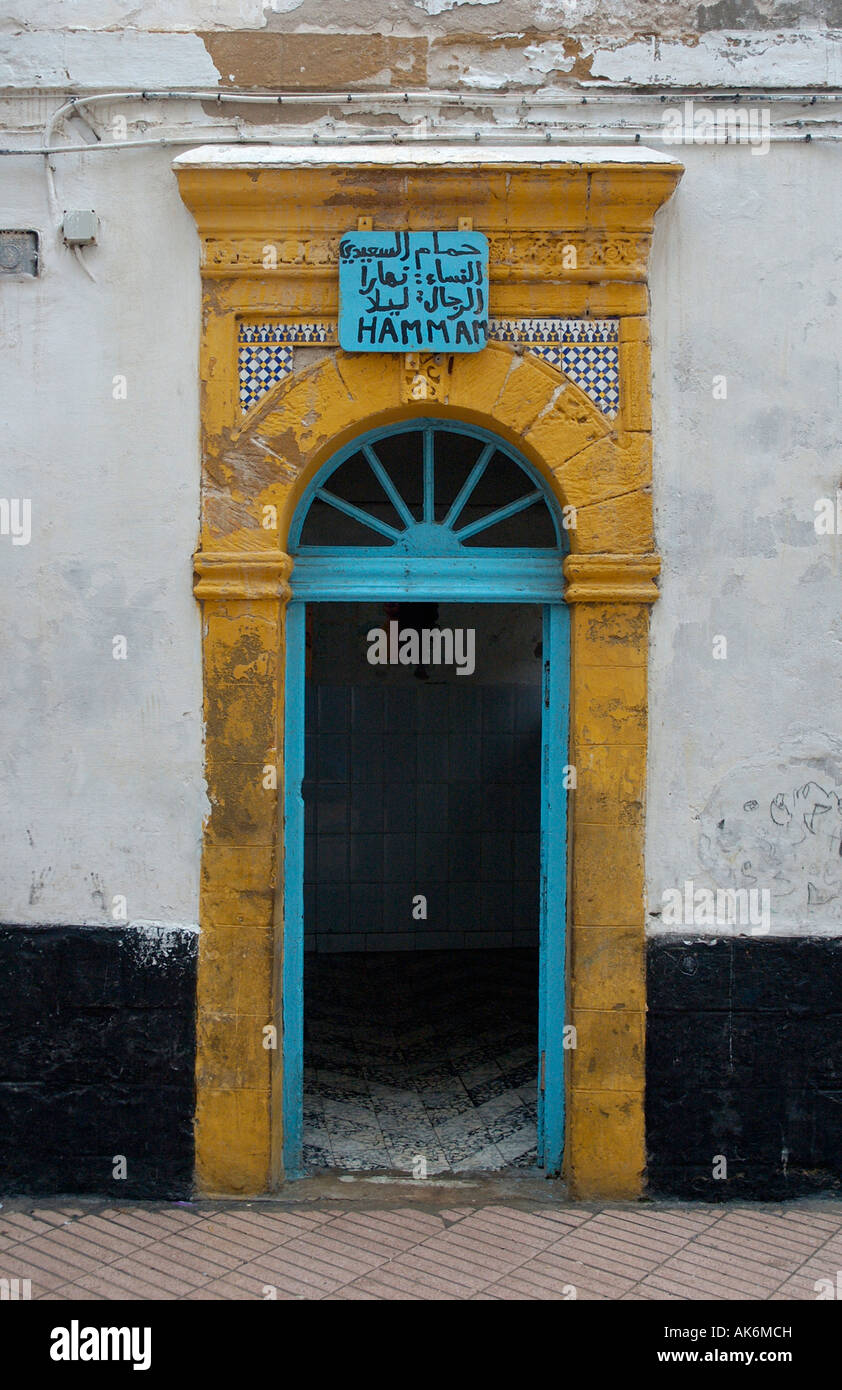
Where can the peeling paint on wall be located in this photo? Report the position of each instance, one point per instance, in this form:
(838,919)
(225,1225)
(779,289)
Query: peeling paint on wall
(290,61)
(436,7)
(155,942)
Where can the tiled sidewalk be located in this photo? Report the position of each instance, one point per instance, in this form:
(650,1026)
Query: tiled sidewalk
(362,1249)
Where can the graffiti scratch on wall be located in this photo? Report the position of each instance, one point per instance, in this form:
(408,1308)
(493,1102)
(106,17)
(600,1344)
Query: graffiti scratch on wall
(778,825)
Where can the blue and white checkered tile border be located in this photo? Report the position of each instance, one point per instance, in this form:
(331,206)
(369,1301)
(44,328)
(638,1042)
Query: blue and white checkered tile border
(265,352)
(584,349)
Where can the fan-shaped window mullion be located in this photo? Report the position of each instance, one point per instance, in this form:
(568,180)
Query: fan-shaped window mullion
(429,477)
(468,486)
(365,518)
(501,514)
(388,486)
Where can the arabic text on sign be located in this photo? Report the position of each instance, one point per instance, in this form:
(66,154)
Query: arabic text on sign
(411,291)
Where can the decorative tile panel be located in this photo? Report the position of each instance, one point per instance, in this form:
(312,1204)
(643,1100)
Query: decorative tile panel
(265,352)
(586,350)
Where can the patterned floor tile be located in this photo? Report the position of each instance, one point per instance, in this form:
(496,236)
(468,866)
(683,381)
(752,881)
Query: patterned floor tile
(432,1053)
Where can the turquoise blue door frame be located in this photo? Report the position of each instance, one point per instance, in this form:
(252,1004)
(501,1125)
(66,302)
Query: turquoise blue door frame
(426,567)
(552,974)
(292,970)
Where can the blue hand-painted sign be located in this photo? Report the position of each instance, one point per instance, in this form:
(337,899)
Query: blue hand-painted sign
(413,291)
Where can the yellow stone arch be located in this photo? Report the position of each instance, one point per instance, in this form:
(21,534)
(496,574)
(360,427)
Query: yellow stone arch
(254,471)
(604,473)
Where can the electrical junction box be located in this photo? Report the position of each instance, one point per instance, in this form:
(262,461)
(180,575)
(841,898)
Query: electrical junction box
(79,228)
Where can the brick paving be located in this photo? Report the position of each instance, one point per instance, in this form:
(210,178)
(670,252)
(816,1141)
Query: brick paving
(397,1250)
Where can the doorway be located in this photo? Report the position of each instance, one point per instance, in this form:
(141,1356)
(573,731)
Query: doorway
(425,811)
(422,890)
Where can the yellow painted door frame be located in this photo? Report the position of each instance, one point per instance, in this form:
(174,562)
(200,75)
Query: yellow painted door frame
(569,238)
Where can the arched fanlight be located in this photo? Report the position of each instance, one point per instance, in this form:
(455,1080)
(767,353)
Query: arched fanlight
(429,488)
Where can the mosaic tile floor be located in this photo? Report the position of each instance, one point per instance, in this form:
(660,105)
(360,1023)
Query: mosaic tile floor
(428,1053)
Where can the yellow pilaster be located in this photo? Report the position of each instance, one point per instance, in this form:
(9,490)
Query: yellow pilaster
(237,1074)
(609,597)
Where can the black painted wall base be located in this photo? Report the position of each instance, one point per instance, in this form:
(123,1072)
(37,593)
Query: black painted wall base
(97,1052)
(744,1060)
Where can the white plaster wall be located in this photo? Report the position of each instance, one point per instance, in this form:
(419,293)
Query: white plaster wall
(103,792)
(746,283)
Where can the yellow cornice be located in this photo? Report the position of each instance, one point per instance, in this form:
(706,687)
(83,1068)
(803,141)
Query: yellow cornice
(241,574)
(611,578)
(594,198)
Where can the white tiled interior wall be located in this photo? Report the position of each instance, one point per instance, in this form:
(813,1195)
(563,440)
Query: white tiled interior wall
(422,789)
